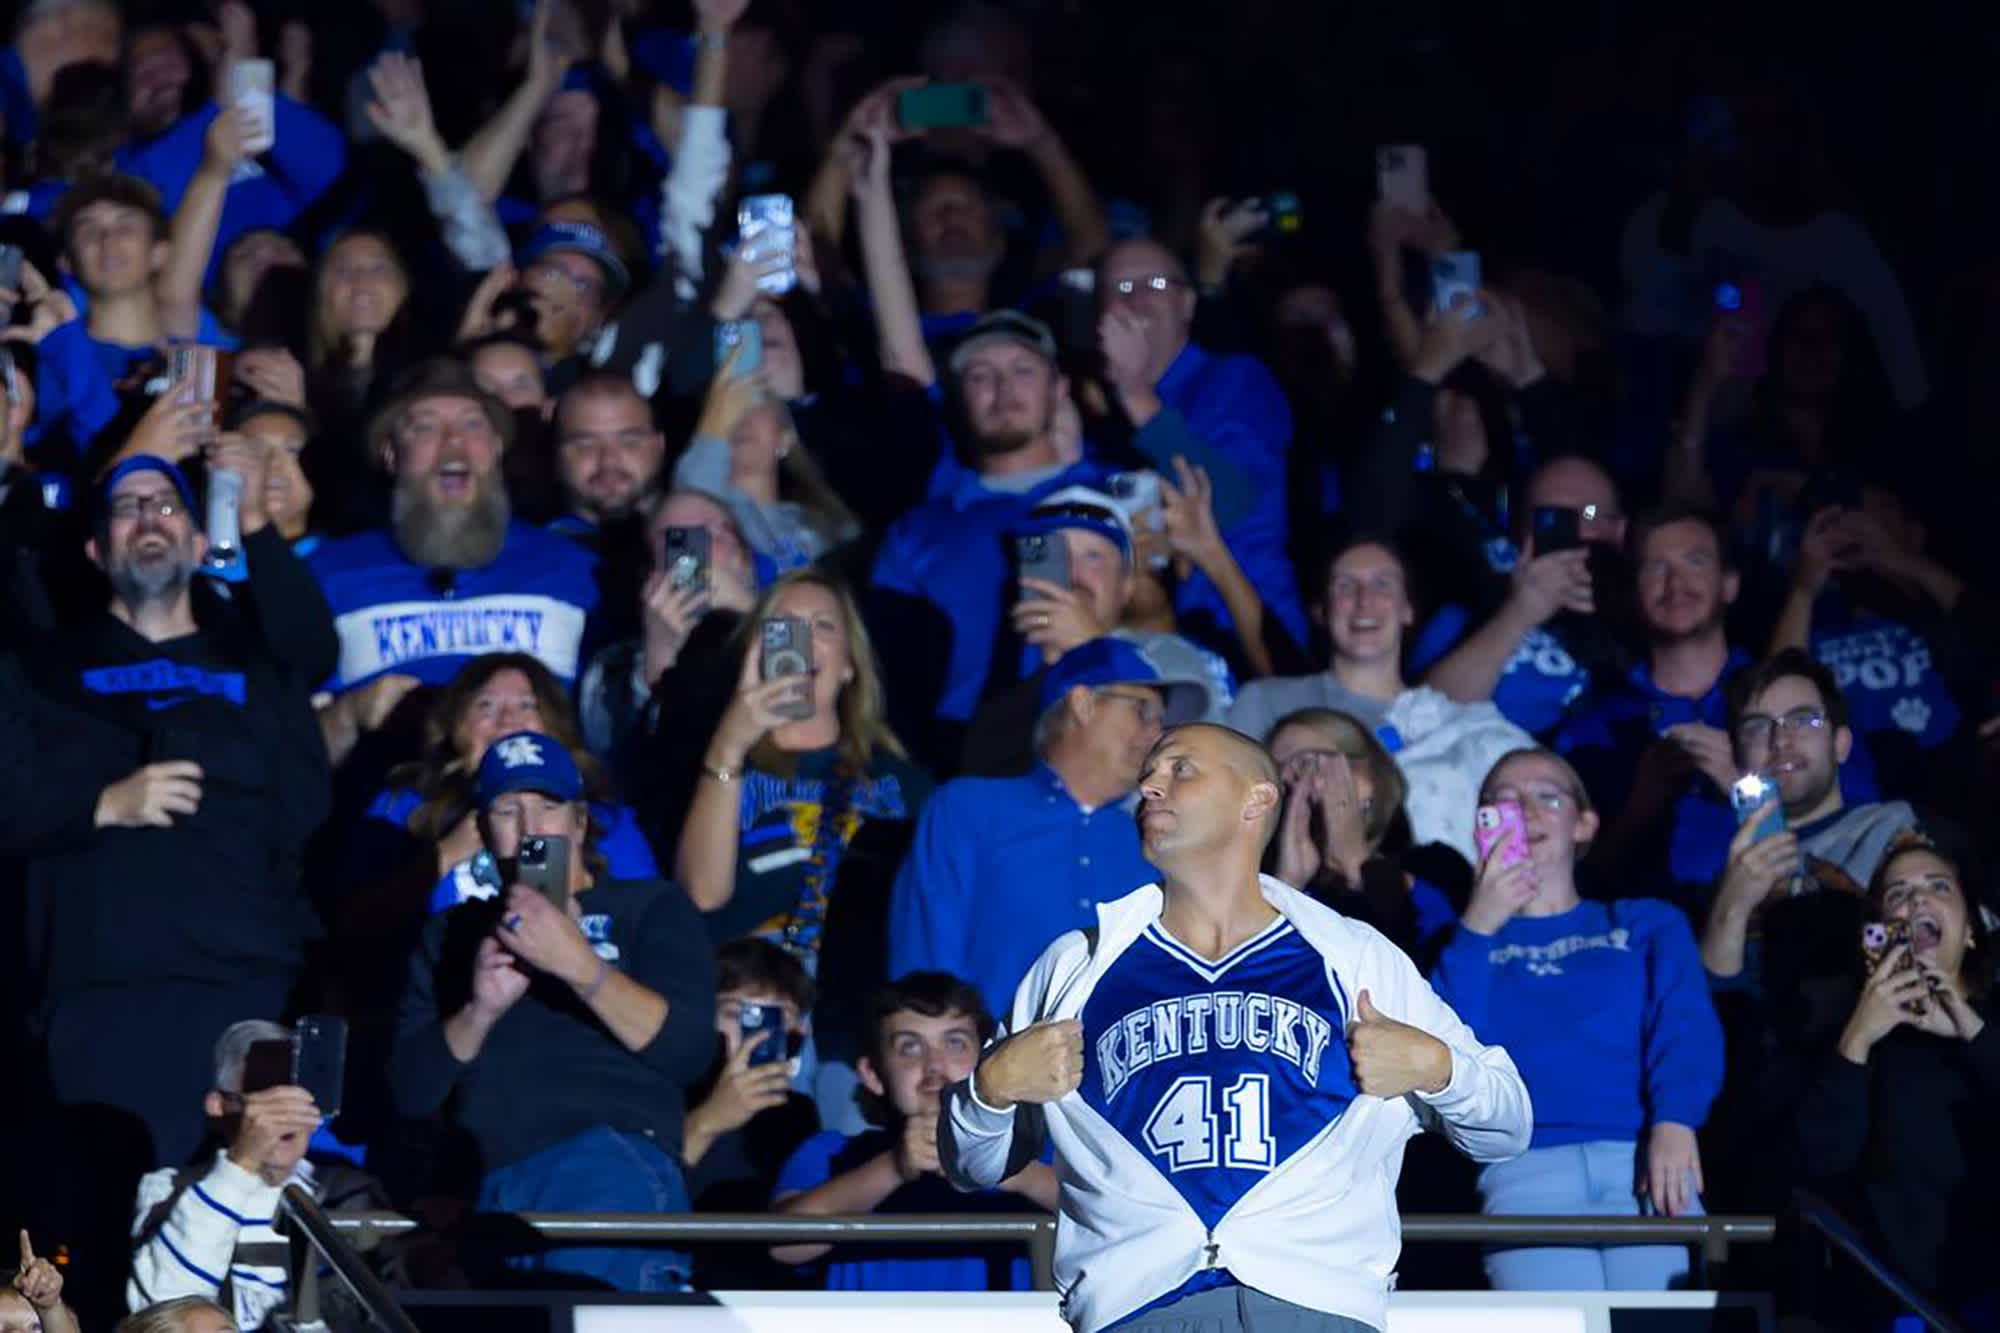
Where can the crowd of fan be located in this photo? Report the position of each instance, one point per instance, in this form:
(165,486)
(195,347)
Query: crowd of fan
(824,598)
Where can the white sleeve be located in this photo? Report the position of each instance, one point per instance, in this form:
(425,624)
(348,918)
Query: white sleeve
(687,197)
(469,224)
(1484,1110)
(188,1251)
(977,1144)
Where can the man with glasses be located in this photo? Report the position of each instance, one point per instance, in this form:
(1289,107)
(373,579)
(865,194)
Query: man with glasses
(185,910)
(572,279)
(454,575)
(1183,401)
(1002,865)
(1788,723)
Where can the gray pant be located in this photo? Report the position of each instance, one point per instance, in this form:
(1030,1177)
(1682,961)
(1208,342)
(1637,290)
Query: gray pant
(1238,1309)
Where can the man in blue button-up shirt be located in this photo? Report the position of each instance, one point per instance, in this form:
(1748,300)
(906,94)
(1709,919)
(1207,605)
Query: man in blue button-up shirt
(1183,401)
(1003,865)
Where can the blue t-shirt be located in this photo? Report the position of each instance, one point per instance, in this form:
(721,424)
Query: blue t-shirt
(1218,1072)
(907,1267)
(1537,688)
(1605,1009)
(393,615)
(1885,673)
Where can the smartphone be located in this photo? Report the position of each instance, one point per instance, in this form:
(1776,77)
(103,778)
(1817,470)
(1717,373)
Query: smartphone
(1042,555)
(1403,176)
(1455,278)
(543,865)
(1287,216)
(785,643)
(253,87)
(225,533)
(1076,295)
(765,229)
(941,106)
(1745,301)
(1880,938)
(1501,825)
(763,1029)
(731,334)
(1755,799)
(1138,494)
(1557,528)
(319,1060)
(684,555)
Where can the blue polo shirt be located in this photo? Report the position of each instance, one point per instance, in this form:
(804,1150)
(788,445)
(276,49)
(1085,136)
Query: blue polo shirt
(1233,405)
(999,869)
(395,615)
(1607,734)
(953,552)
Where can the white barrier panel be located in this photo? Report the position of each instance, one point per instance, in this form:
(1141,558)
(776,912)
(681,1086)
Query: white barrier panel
(1033,1312)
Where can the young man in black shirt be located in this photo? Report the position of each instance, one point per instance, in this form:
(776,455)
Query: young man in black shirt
(562,1026)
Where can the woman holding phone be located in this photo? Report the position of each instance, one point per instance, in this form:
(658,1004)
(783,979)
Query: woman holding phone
(805,805)
(1897,1124)
(1605,1008)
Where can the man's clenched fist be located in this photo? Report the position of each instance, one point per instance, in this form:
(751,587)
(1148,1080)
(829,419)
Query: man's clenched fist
(1040,1064)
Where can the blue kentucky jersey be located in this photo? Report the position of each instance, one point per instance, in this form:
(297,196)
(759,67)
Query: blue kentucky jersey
(1217,1072)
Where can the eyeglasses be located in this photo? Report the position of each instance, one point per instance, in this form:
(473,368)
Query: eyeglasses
(1758,728)
(582,286)
(1551,799)
(162,504)
(1158,282)
(1149,708)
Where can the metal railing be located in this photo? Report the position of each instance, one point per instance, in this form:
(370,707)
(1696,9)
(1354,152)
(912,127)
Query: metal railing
(1821,1218)
(1711,1237)
(312,1233)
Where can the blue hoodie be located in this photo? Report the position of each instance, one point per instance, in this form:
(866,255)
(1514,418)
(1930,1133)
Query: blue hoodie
(1605,1009)
(270,190)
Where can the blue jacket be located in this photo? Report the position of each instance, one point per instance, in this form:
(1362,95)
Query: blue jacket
(952,555)
(1232,406)
(271,190)
(1000,868)
(1605,1010)
(393,615)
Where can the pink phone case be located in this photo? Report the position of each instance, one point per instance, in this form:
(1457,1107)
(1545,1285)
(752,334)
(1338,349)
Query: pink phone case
(1501,823)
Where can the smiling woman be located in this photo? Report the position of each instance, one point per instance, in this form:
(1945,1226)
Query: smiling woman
(1919,1180)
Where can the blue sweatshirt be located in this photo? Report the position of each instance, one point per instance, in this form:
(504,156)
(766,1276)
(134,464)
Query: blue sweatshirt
(1233,406)
(1605,1010)
(270,190)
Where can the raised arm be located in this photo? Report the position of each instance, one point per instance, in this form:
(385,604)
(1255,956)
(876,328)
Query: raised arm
(1013,121)
(1542,586)
(1195,538)
(489,156)
(826,197)
(401,113)
(191,236)
(898,323)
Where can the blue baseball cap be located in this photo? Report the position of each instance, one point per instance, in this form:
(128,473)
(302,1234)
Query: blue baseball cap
(145,463)
(528,761)
(579,238)
(1082,507)
(1111,661)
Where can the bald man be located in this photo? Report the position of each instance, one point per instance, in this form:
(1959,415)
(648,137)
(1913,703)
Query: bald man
(1182,399)
(1222,1069)
(1534,657)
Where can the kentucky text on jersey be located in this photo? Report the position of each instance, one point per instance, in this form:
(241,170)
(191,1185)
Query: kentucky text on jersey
(1224,1020)
(1545,958)
(161,676)
(381,638)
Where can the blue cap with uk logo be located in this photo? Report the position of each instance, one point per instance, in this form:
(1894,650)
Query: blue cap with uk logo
(528,761)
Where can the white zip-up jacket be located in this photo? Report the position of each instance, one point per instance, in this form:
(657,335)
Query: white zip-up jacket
(1320,1229)
(212,1235)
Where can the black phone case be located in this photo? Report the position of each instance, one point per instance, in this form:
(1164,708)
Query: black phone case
(319,1060)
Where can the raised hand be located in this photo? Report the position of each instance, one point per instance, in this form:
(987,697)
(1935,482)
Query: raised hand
(401,110)
(272,1132)
(1887,1001)
(497,980)
(1558,581)
(39,1281)
(547,938)
(1012,118)
(1500,892)
(1391,1058)
(917,1150)
(1054,618)
(1043,1063)
(1226,229)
